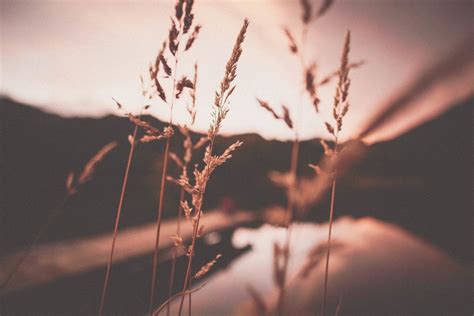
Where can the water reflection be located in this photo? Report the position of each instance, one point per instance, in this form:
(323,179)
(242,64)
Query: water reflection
(255,267)
(380,268)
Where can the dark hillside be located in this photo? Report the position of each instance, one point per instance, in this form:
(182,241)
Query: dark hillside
(422,180)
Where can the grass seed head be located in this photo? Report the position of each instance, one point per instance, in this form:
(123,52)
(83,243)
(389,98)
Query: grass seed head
(207,267)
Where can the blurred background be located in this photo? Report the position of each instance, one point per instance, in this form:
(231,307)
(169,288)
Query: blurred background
(407,197)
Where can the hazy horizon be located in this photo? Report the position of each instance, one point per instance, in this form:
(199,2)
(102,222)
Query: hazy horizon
(70,58)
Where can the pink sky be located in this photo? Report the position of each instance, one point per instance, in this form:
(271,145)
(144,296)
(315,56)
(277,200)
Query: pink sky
(72,57)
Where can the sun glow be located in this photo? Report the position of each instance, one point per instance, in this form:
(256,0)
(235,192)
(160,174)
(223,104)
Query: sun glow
(71,59)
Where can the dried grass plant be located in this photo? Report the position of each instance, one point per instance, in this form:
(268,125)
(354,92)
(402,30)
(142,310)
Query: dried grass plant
(339,111)
(289,180)
(132,140)
(180,40)
(296,189)
(159,71)
(211,162)
(183,163)
(150,133)
(73,184)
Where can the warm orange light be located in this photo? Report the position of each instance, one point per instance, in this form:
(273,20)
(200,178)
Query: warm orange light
(73,57)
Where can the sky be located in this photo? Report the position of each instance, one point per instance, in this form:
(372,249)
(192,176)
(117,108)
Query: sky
(71,57)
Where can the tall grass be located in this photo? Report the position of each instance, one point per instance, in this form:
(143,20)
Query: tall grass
(117,218)
(339,111)
(151,133)
(183,164)
(211,162)
(179,34)
(290,180)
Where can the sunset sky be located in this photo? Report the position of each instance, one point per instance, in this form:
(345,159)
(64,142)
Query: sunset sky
(72,57)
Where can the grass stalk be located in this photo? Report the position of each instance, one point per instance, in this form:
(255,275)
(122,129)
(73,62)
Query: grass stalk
(326,273)
(180,26)
(202,177)
(173,263)
(183,163)
(117,220)
(187,279)
(158,227)
(162,195)
(340,109)
(288,221)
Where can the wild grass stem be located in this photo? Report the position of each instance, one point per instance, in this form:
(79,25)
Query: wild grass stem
(117,219)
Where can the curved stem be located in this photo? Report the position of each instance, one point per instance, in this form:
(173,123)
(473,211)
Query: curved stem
(117,220)
(168,301)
